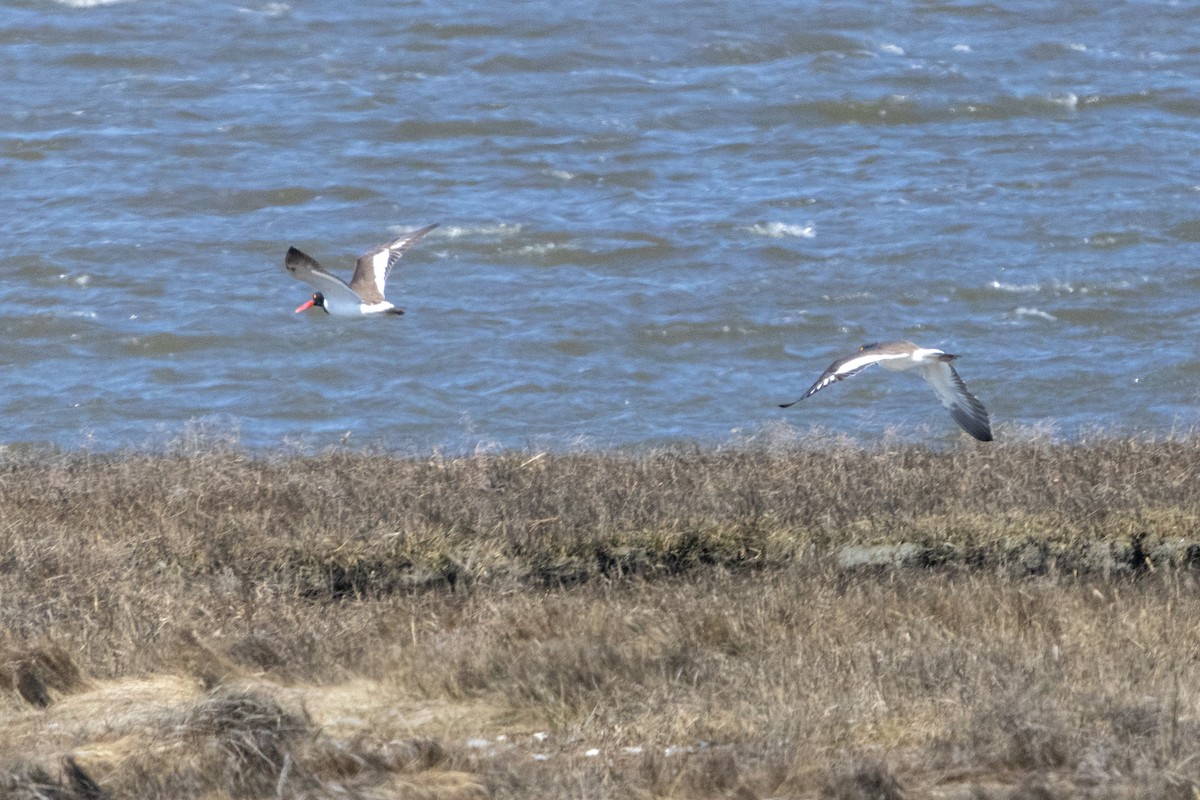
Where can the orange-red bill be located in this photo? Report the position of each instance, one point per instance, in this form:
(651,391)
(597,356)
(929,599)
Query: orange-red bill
(306,306)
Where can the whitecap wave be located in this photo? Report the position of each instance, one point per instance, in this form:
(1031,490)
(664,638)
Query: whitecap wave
(454,231)
(538,249)
(1066,100)
(89,3)
(268,10)
(1035,313)
(1016,288)
(779,230)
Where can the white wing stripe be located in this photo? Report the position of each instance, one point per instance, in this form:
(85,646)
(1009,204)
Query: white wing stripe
(379,268)
(849,366)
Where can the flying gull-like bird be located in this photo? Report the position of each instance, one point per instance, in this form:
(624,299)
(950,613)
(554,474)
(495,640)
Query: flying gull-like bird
(935,369)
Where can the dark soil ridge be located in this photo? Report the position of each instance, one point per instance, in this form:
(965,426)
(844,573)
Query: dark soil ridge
(349,524)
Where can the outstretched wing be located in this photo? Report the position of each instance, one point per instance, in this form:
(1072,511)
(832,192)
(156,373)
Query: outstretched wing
(843,368)
(371,271)
(305,268)
(962,405)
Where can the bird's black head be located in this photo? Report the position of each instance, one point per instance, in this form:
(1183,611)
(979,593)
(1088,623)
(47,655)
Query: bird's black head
(317,300)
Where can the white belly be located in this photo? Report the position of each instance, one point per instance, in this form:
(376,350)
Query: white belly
(340,308)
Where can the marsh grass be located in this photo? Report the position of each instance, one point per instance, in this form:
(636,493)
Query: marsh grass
(767,620)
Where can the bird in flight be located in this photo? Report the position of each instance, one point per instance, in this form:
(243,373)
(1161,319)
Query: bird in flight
(935,369)
(363,296)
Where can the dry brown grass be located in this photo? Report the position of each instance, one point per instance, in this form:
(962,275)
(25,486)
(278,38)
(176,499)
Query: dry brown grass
(775,619)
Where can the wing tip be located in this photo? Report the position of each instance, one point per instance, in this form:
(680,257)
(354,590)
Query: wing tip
(978,426)
(295,258)
(982,433)
(412,237)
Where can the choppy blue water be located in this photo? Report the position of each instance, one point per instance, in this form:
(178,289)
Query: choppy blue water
(658,219)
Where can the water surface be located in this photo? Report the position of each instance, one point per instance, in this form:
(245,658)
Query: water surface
(658,220)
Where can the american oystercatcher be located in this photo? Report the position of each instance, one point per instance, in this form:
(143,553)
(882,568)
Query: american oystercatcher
(363,296)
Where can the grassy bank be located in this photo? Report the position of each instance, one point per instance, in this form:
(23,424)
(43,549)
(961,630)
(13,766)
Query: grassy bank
(783,619)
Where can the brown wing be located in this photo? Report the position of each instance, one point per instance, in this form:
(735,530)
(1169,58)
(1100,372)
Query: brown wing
(371,271)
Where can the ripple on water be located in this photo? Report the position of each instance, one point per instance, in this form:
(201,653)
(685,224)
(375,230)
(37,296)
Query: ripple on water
(169,344)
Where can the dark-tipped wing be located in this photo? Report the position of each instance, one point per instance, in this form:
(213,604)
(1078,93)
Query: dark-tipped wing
(840,370)
(305,268)
(962,405)
(373,267)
